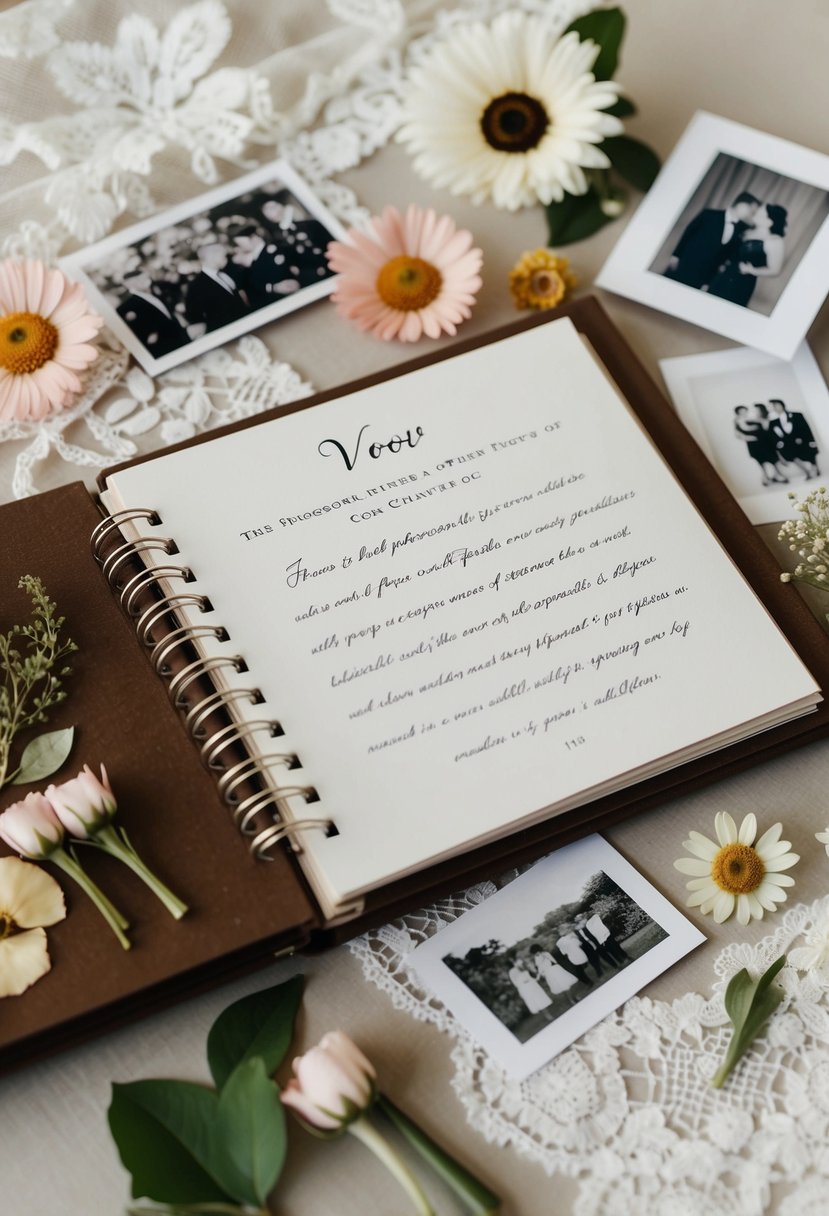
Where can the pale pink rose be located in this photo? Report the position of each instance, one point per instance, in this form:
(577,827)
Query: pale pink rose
(31,827)
(84,804)
(333,1083)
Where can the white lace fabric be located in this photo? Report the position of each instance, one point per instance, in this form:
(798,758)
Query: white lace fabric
(112,112)
(628,1111)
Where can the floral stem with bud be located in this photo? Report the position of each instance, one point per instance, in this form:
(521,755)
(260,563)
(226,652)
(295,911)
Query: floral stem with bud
(60,858)
(368,1135)
(116,843)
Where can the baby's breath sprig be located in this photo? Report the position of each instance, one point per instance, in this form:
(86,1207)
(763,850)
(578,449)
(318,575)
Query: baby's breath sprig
(808,537)
(32,670)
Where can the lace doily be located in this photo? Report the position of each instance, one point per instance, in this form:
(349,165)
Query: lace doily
(162,94)
(628,1111)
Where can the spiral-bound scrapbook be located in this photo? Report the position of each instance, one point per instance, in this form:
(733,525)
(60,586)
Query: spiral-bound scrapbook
(362,650)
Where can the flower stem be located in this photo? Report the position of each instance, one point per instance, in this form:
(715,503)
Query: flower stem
(110,913)
(117,845)
(371,1138)
(474,1195)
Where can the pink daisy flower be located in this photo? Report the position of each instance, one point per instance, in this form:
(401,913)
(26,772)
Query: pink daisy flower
(409,275)
(45,327)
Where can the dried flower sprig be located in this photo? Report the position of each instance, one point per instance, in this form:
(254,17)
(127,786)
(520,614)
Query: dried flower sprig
(808,537)
(32,668)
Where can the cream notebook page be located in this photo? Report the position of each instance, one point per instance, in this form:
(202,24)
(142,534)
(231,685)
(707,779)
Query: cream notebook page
(472,596)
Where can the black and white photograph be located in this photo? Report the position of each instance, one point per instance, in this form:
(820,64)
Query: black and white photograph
(544,959)
(733,236)
(762,422)
(211,269)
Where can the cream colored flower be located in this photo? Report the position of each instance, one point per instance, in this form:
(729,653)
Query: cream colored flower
(509,112)
(737,873)
(823,837)
(29,900)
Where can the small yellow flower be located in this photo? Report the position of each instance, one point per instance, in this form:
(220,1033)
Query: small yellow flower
(737,872)
(540,279)
(29,899)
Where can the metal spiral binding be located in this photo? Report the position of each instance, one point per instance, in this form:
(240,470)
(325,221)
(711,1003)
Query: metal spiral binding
(244,785)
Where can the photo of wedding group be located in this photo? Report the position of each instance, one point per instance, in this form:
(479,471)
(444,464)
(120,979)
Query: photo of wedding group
(742,233)
(577,946)
(762,422)
(213,269)
(537,963)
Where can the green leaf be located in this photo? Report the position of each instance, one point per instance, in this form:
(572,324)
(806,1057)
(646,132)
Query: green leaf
(250,1144)
(749,1004)
(576,217)
(260,1025)
(623,108)
(607,27)
(44,755)
(632,160)
(164,1131)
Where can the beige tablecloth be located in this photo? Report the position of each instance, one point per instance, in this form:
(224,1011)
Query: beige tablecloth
(754,61)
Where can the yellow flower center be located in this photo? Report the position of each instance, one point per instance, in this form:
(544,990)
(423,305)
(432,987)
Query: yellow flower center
(27,341)
(545,283)
(7,925)
(737,868)
(514,122)
(406,283)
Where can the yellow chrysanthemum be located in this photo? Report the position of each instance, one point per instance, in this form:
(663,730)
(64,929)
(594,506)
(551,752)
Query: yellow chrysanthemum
(737,872)
(540,279)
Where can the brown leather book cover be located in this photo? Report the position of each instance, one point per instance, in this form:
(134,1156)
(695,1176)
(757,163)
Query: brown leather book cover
(241,910)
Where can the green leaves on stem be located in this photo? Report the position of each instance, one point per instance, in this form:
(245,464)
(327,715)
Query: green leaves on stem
(749,1004)
(210,1150)
(579,216)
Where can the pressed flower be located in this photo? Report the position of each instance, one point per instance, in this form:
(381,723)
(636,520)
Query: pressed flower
(808,537)
(29,901)
(408,275)
(45,328)
(85,807)
(823,838)
(540,279)
(737,872)
(509,112)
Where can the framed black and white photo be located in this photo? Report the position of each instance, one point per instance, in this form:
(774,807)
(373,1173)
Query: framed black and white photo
(211,269)
(761,421)
(537,964)
(733,236)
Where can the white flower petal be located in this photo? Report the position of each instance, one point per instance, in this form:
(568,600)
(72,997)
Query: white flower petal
(24,959)
(782,863)
(29,895)
(723,906)
(701,846)
(692,865)
(770,837)
(748,830)
(725,827)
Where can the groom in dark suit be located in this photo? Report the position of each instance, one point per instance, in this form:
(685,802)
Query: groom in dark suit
(707,240)
(213,298)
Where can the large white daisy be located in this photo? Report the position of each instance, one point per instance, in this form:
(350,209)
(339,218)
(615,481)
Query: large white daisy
(509,111)
(737,872)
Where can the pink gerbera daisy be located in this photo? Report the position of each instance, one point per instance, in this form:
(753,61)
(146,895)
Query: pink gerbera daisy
(45,327)
(408,275)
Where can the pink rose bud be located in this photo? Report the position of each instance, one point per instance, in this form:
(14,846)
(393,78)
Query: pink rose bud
(84,804)
(31,827)
(333,1084)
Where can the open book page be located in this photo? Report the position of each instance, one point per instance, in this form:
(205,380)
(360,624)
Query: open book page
(473,595)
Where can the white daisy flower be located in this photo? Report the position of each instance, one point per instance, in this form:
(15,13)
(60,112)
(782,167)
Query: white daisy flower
(509,112)
(737,873)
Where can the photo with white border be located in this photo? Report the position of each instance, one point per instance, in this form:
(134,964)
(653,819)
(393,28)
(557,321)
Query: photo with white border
(762,422)
(537,964)
(733,236)
(211,269)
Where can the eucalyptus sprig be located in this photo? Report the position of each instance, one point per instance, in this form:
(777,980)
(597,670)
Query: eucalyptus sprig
(32,670)
(749,1004)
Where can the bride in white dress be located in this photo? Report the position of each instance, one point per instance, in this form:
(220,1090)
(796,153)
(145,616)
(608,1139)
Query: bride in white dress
(555,977)
(528,988)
